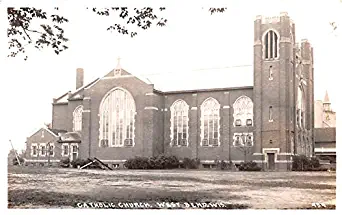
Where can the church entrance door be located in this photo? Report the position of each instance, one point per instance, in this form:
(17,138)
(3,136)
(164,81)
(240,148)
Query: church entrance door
(270,161)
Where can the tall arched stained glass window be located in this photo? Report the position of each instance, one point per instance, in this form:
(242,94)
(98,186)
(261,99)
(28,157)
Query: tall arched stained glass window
(210,122)
(243,111)
(179,123)
(117,111)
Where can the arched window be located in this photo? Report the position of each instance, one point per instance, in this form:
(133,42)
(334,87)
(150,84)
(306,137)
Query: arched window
(117,111)
(210,122)
(270,45)
(243,111)
(77,118)
(179,123)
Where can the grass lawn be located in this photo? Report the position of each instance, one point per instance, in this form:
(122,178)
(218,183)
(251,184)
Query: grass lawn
(34,187)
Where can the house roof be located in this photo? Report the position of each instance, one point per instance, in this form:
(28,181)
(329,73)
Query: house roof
(325,135)
(70,137)
(56,131)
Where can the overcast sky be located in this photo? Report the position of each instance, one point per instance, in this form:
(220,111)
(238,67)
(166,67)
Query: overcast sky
(192,39)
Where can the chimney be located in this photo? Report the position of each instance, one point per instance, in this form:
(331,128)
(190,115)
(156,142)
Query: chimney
(79,78)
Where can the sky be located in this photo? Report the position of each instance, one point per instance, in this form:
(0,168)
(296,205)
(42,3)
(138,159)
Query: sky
(192,40)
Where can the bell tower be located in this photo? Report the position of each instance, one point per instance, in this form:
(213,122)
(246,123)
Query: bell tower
(274,90)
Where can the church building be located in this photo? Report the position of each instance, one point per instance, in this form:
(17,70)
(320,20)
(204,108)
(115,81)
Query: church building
(269,115)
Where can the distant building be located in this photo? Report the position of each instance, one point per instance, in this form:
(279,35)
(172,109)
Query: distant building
(325,117)
(325,130)
(325,143)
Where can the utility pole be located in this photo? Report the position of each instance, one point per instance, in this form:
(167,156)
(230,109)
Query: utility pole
(16,155)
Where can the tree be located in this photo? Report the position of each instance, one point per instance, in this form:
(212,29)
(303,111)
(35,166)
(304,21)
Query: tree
(21,34)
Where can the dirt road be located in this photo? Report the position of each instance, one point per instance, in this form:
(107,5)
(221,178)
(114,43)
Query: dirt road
(59,188)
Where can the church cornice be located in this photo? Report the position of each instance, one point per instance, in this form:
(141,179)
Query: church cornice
(207,90)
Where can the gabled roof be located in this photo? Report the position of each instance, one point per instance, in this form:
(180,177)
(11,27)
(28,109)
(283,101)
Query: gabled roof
(124,73)
(53,132)
(203,79)
(73,95)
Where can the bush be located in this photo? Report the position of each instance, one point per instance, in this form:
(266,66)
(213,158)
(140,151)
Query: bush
(155,162)
(303,163)
(163,162)
(249,166)
(137,163)
(191,163)
(318,169)
(15,161)
(315,162)
(223,165)
(78,162)
(64,162)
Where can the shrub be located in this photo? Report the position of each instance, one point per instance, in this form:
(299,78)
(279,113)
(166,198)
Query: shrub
(223,165)
(155,162)
(137,163)
(315,162)
(191,163)
(15,161)
(318,169)
(249,166)
(164,162)
(303,163)
(64,162)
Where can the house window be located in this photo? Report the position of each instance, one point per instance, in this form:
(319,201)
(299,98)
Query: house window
(34,150)
(117,112)
(179,123)
(210,122)
(270,45)
(51,149)
(77,118)
(270,114)
(42,133)
(43,150)
(65,149)
(270,73)
(243,111)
